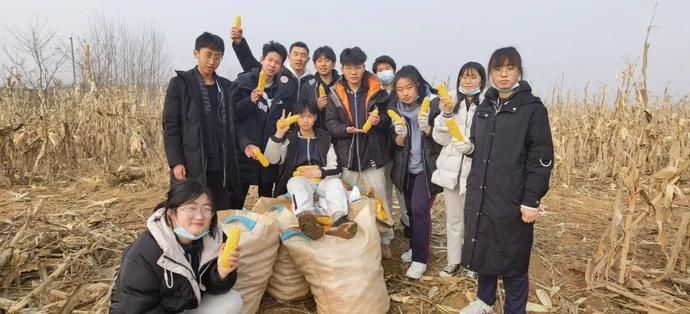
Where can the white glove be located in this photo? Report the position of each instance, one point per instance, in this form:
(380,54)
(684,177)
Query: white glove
(464,147)
(423,120)
(400,129)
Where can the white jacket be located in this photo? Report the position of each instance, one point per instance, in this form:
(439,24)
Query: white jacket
(452,167)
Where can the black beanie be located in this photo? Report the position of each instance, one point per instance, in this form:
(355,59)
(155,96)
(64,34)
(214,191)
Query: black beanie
(383,59)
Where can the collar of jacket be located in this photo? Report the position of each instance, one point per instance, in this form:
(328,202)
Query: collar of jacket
(371,85)
(189,74)
(306,73)
(335,77)
(299,135)
(173,259)
(319,134)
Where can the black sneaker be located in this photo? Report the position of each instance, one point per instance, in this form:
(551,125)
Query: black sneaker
(309,225)
(450,270)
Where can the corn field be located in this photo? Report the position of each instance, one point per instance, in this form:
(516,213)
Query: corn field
(633,145)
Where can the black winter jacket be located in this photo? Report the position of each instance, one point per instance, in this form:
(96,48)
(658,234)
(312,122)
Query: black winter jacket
(156,277)
(182,129)
(511,166)
(257,124)
(401,155)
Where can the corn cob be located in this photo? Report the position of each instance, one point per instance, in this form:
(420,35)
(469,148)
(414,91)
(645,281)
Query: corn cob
(324,221)
(426,103)
(443,91)
(238,22)
(287,121)
(261,85)
(380,213)
(298,171)
(322,91)
(454,130)
(395,117)
(367,125)
(230,246)
(305,167)
(260,157)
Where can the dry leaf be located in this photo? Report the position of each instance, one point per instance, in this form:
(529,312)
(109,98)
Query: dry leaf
(533,307)
(404,299)
(432,292)
(544,298)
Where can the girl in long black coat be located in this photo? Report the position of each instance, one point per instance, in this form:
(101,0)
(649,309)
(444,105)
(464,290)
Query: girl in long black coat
(511,167)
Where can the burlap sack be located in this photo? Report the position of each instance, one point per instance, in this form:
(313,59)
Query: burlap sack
(345,276)
(259,243)
(287,283)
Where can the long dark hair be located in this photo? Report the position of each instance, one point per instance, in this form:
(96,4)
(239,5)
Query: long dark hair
(411,73)
(482,73)
(183,192)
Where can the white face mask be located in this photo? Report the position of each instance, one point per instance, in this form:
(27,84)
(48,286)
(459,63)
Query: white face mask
(506,90)
(182,232)
(473,92)
(386,76)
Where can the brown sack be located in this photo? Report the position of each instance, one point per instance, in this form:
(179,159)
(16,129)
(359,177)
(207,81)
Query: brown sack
(259,242)
(287,283)
(346,276)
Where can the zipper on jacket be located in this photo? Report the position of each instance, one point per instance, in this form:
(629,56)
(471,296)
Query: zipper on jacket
(482,187)
(309,151)
(223,134)
(359,156)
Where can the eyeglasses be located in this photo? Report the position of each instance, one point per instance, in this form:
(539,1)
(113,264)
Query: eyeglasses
(214,57)
(191,211)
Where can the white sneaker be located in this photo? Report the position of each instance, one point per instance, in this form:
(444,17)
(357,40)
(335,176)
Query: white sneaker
(416,270)
(477,307)
(406,257)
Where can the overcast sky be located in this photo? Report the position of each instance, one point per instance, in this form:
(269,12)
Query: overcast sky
(572,41)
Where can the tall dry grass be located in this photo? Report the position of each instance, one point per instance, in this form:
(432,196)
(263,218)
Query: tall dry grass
(114,132)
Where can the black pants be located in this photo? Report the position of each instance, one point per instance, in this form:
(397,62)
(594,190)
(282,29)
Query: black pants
(219,194)
(516,287)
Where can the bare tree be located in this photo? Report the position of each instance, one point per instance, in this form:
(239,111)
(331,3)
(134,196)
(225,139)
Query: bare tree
(125,55)
(36,56)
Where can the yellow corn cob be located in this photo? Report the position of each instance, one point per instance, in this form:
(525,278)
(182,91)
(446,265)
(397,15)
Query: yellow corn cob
(454,130)
(443,91)
(324,220)
(261,85)
(298,171)
(367,125)
(238,22)
(230,246)
(289,120)
(380,213)
(260,157)
(425,105)
(322,91)
(395,117)
(305,167)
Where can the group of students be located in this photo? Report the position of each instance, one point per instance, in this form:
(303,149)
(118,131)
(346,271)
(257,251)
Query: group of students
(215,130)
